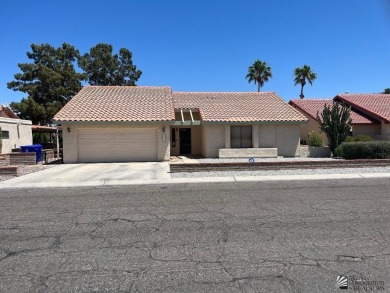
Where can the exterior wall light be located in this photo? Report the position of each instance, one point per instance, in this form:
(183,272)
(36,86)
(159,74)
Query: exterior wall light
(163,134)
(68,129)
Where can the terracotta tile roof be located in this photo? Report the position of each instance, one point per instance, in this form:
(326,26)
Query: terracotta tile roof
(8,112)
(376,105)
(237,107)
(119,103)
(312,106)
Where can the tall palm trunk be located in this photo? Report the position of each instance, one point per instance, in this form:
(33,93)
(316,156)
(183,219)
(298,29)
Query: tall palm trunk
(258,87)
(301,95)
(303,82)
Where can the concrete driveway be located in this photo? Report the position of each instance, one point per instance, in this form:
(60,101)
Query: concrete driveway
(71,175)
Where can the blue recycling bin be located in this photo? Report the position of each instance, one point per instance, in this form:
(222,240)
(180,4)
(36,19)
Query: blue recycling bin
(34,148)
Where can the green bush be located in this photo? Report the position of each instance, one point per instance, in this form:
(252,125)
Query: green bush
(349,139)
(359,138)
(364,150)
(315,139)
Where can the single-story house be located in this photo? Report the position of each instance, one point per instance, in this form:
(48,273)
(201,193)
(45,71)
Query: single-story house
(361,123)
(122,124)
(374,106)
(15,131)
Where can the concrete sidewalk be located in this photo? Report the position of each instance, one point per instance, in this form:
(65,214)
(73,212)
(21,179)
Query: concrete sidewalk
(111,174)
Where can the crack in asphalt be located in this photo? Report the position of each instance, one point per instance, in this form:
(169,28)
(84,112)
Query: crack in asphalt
(152,241)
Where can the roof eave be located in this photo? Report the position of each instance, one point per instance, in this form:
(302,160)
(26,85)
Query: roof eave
(207,122)
(364,110)
(113,122)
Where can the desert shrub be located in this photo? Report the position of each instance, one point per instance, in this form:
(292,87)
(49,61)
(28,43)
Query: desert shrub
(364,150)
(359,138)
(315,139)
(335,122)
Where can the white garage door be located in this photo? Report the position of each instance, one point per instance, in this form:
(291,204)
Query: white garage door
(117,145)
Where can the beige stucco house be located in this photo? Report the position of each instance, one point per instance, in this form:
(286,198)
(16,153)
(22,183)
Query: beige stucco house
(363,122)
(15,131)
(122,124)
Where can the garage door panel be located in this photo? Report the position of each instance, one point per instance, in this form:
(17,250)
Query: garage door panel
(117,145)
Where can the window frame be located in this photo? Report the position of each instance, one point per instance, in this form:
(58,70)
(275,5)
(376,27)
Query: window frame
(238,132)
(5,134)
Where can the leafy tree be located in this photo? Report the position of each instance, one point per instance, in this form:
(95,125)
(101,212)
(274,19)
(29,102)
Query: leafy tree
(50,81)
(259,72)
(386,91)
(302,75)
(104,68)
(335,121)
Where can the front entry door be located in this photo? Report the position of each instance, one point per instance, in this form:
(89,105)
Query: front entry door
(185,141)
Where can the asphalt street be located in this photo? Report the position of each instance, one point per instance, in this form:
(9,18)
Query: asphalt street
(296,236)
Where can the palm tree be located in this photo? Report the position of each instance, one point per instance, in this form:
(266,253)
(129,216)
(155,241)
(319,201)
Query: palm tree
(259,72)
(303,74)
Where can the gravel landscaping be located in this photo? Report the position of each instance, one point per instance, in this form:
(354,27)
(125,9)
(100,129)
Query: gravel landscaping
(281,172)
(279,159)
(26,169)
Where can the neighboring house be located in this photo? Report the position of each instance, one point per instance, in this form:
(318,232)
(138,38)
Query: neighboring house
(361,123)
(113,124)
(15,131)
(374,106)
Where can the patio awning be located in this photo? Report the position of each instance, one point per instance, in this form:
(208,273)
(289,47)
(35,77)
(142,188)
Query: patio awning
(45,129)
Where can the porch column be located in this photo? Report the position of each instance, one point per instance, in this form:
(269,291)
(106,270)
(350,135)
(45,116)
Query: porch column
(58,144)
(255,135)
(227,137)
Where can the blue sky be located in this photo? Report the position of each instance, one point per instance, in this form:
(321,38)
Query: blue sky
(207,45)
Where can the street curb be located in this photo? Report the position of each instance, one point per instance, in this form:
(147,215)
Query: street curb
(285,165)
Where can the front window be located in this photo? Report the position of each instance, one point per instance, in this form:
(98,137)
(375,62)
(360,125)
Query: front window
(5,134)
(240,137)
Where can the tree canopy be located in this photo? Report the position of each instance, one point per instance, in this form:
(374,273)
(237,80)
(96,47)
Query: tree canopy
(104,68)
(50,81)
(259,72)
(386,91)
(302,75)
